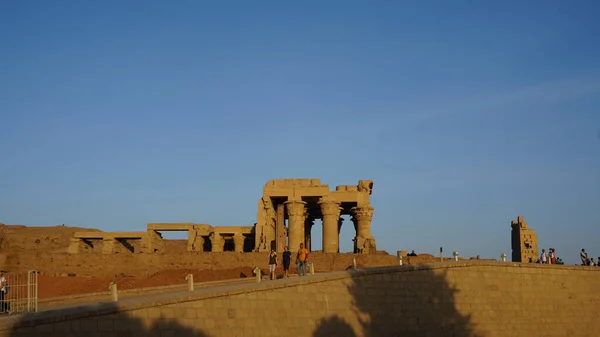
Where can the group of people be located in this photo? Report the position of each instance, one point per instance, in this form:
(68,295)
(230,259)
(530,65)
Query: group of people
(301,258)
(586,261)
(549,257)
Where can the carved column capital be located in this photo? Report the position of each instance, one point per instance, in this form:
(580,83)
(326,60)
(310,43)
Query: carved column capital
(296,208)
(216,242)
(238,242)
(239,238)
(363,213)
(330,207)
(215,237)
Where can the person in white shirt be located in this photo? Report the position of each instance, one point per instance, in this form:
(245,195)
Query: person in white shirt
(544,257)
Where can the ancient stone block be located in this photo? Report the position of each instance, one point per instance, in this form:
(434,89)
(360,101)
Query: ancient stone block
(524,242)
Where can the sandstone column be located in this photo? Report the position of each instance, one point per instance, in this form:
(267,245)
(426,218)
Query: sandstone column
(355,223)
(238,241)
(270,230)
(330,209)
(217,242)
(340,222)
(363,216)
(296,214)
(192,234)
(280,233)
(308,224)
(197,242)
(198,245)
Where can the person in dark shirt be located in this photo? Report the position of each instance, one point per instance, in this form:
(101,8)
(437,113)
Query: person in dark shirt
(287,257)
(3,291)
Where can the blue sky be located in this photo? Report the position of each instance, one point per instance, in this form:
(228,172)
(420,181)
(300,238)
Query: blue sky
(466,114)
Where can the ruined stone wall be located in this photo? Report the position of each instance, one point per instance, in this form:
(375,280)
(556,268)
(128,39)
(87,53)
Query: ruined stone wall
(475,299)
(110,265)
(524,242)
(52,238)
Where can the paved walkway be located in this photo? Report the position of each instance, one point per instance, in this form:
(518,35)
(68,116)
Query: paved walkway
(133,294)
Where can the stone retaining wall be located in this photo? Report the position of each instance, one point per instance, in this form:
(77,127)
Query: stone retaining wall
(142,265)
(475,299)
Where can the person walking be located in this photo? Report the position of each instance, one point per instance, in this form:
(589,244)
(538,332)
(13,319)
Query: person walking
(286,259)
(301,258)
(272,263)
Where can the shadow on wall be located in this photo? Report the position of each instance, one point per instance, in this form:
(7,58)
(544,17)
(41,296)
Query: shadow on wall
(116,324)
(408,304)
(417,303)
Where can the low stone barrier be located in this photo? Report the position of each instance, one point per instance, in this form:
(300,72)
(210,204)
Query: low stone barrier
(46,303)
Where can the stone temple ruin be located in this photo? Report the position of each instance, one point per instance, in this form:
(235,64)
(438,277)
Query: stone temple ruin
(286,214)
(301,201)
(524,241)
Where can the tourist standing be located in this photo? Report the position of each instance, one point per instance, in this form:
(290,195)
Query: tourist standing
(3,291)
(272,263)
(544,257)
(301,258)
(584,257)
(286,259)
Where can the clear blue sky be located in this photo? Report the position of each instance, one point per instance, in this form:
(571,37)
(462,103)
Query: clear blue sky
(464,113)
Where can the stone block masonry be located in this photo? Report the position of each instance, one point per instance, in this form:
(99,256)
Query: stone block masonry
(304,200)
(474,299)
(143,265)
